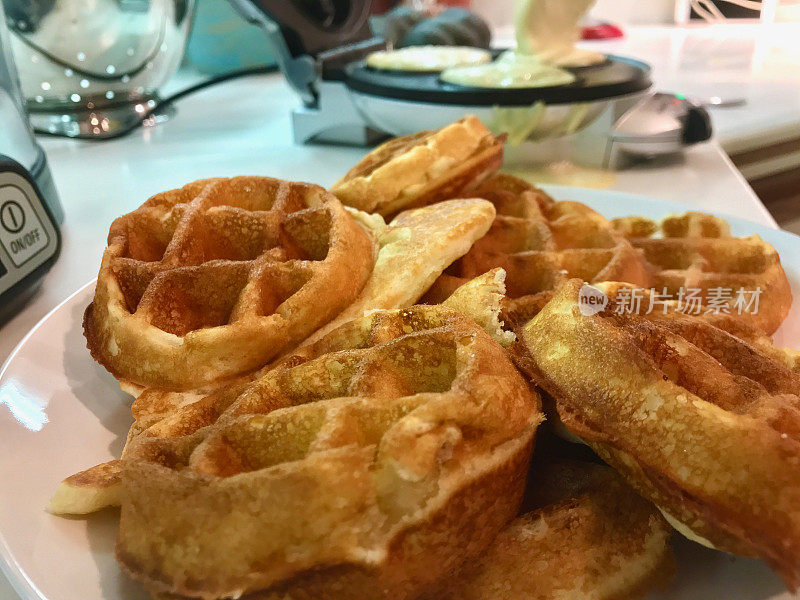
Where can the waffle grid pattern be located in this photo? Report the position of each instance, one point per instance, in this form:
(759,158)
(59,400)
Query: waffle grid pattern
(421,169)
(695,251)
(681,418)
(189,260)
(540,243)
(221,261)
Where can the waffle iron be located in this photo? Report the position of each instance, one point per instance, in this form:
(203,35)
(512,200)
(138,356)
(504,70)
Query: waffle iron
(321,45)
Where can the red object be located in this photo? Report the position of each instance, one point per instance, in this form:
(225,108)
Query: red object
(603,31)
(379,7)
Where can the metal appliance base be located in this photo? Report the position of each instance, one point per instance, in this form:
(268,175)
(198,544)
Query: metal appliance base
(102,121)
(333,120)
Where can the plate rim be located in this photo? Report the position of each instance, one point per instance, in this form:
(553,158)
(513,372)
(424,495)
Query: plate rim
(17,577)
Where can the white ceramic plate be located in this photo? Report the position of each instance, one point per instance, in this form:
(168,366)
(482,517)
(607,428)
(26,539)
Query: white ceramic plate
(62,413)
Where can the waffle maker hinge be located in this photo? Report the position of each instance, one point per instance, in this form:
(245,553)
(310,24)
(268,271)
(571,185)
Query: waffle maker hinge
(312,40)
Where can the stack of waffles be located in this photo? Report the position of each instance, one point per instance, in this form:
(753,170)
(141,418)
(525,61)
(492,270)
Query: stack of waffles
(333,406)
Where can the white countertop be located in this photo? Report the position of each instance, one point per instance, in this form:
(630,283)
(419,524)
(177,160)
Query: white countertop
(242,127)
(759,63)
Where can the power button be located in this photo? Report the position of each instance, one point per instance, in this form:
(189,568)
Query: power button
(21,231)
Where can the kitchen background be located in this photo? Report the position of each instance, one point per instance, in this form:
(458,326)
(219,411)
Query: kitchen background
(745,59)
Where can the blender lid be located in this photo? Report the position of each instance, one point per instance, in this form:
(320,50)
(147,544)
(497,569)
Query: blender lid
(617,76)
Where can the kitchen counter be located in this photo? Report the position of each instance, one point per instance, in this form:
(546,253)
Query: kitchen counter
(242,127)
(757,63)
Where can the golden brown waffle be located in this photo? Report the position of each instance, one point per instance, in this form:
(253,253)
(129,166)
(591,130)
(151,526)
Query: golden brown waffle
(702,423)
(540,243)
(695,251)
(482,300)
(367,465)
(211,280)
(519,311)
(584,533)
(422,168)
(414,249)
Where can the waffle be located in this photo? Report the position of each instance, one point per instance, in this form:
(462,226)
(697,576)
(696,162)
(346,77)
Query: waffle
(519,311)
(704,424)
(482,300)
(696,251)
(583,534)
(422,168)
(367,465)
(211,280)
(413,250)
(427,59)
(540,242)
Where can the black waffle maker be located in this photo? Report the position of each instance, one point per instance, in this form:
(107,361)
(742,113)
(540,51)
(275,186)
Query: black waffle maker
(320,46)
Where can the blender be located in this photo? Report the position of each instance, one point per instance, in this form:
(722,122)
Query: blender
(30,211)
